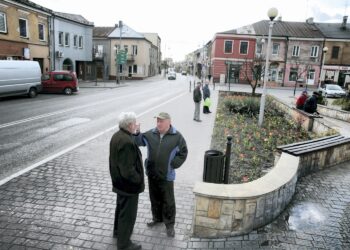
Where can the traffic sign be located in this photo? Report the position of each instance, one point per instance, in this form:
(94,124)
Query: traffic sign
(121,57)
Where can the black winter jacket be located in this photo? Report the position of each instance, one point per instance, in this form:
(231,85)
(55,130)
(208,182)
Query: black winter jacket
(125,164)
(164,155)
(197,94)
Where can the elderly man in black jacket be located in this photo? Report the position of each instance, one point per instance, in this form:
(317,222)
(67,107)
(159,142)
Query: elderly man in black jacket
(125,165)
(167,151)
(197,98)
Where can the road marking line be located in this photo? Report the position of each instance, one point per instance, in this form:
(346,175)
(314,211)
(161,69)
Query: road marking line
(19,173)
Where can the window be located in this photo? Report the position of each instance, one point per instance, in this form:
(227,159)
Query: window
(335,52)
(134,49)
(80,41)
(296,50)
(66,39)
(41,28)
(314,51)
(60,38)
(228,46)
(243,48)
(293,74)
(258,48)
(134,70)
(75,41)
(23,27)
(126,49)
(3,27)
(275,48)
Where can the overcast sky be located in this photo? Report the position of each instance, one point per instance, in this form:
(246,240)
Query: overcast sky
(185,25)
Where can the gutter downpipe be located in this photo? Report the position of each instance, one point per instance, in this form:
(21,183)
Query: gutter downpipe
(285,60)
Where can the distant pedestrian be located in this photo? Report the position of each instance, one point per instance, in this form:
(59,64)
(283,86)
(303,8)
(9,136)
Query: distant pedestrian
(310,105)
(301,100)
(197,98)
(167,151)
(126,170)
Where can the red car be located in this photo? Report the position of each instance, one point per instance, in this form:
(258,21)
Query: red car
(60,82)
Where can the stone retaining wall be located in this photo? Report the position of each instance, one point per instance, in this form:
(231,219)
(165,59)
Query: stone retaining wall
(334,113)
(235,209)
(308,121)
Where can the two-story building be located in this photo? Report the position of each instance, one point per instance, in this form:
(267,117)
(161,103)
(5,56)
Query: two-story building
(295,53)
(143,56)
(336,66)
(71,47)
(24,32)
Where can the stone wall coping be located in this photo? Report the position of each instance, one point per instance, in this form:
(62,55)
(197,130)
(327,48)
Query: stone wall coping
(334,109)
(282,173)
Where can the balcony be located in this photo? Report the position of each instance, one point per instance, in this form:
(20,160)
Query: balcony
(98,55)
(130,58)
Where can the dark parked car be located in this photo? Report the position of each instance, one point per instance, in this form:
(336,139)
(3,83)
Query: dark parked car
(60,82)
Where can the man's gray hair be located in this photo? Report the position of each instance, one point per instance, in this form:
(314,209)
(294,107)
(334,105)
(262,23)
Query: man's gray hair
(125,119)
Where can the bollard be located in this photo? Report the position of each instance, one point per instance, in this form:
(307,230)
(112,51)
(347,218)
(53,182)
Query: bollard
(227,158)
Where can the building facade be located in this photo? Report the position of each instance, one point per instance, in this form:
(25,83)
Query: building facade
(24,32)
(71,47)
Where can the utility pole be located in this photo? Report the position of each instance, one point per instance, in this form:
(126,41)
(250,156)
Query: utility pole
(119,52)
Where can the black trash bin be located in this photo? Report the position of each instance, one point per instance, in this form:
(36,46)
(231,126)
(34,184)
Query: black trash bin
(213,166)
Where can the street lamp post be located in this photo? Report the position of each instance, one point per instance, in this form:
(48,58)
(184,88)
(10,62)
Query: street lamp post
(272,13)
(324,50)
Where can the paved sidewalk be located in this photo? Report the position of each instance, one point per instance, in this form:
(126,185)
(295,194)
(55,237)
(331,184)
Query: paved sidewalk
(67,202)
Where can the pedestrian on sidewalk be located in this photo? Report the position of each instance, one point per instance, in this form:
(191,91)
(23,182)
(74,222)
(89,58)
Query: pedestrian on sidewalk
(301,100)
(125,165)
(206,99)
(167,151)
(197,98)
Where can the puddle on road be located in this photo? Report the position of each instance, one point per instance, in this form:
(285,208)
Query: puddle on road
(63,124)
(307,216)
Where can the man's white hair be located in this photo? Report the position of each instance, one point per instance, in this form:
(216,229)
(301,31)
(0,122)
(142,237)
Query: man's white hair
(126,118)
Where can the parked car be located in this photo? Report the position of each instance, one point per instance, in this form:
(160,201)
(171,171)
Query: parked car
(184,72)
(60,82)
(19,78)
(171,76)
(332,90)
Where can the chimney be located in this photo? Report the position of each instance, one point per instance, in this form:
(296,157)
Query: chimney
(343,25)
(310,20)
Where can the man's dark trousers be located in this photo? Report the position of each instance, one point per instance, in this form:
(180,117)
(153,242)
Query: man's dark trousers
(161,193)
(125,218)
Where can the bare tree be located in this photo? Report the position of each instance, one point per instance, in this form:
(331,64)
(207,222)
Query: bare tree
(299,71)
(253,70)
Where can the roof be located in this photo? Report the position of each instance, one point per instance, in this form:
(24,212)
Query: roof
(290,29)
(334,30)
(33,5)
(102,31)
(74,17)
(127,32)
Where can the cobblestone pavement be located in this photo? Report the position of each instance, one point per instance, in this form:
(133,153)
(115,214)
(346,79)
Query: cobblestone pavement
(67,203)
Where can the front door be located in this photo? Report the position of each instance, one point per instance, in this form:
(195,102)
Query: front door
(311,77)
(130,71)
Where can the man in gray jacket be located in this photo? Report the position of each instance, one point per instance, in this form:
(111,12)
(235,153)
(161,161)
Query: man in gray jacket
(167,151)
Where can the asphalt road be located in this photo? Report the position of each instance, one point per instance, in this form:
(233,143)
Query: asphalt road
(31,130)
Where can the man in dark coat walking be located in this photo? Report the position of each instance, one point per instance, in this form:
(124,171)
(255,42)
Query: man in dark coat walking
(125,165)
(167,151)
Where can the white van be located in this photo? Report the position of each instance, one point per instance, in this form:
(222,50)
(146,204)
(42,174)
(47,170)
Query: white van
(19,78)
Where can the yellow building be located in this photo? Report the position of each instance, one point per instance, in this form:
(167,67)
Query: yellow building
(24,32)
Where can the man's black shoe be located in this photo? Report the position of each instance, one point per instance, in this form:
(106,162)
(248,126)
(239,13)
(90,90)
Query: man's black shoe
(170,232)
(153,223)
(132,246)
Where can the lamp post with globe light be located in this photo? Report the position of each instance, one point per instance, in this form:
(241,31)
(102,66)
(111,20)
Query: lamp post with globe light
(324,50)
(271,13)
